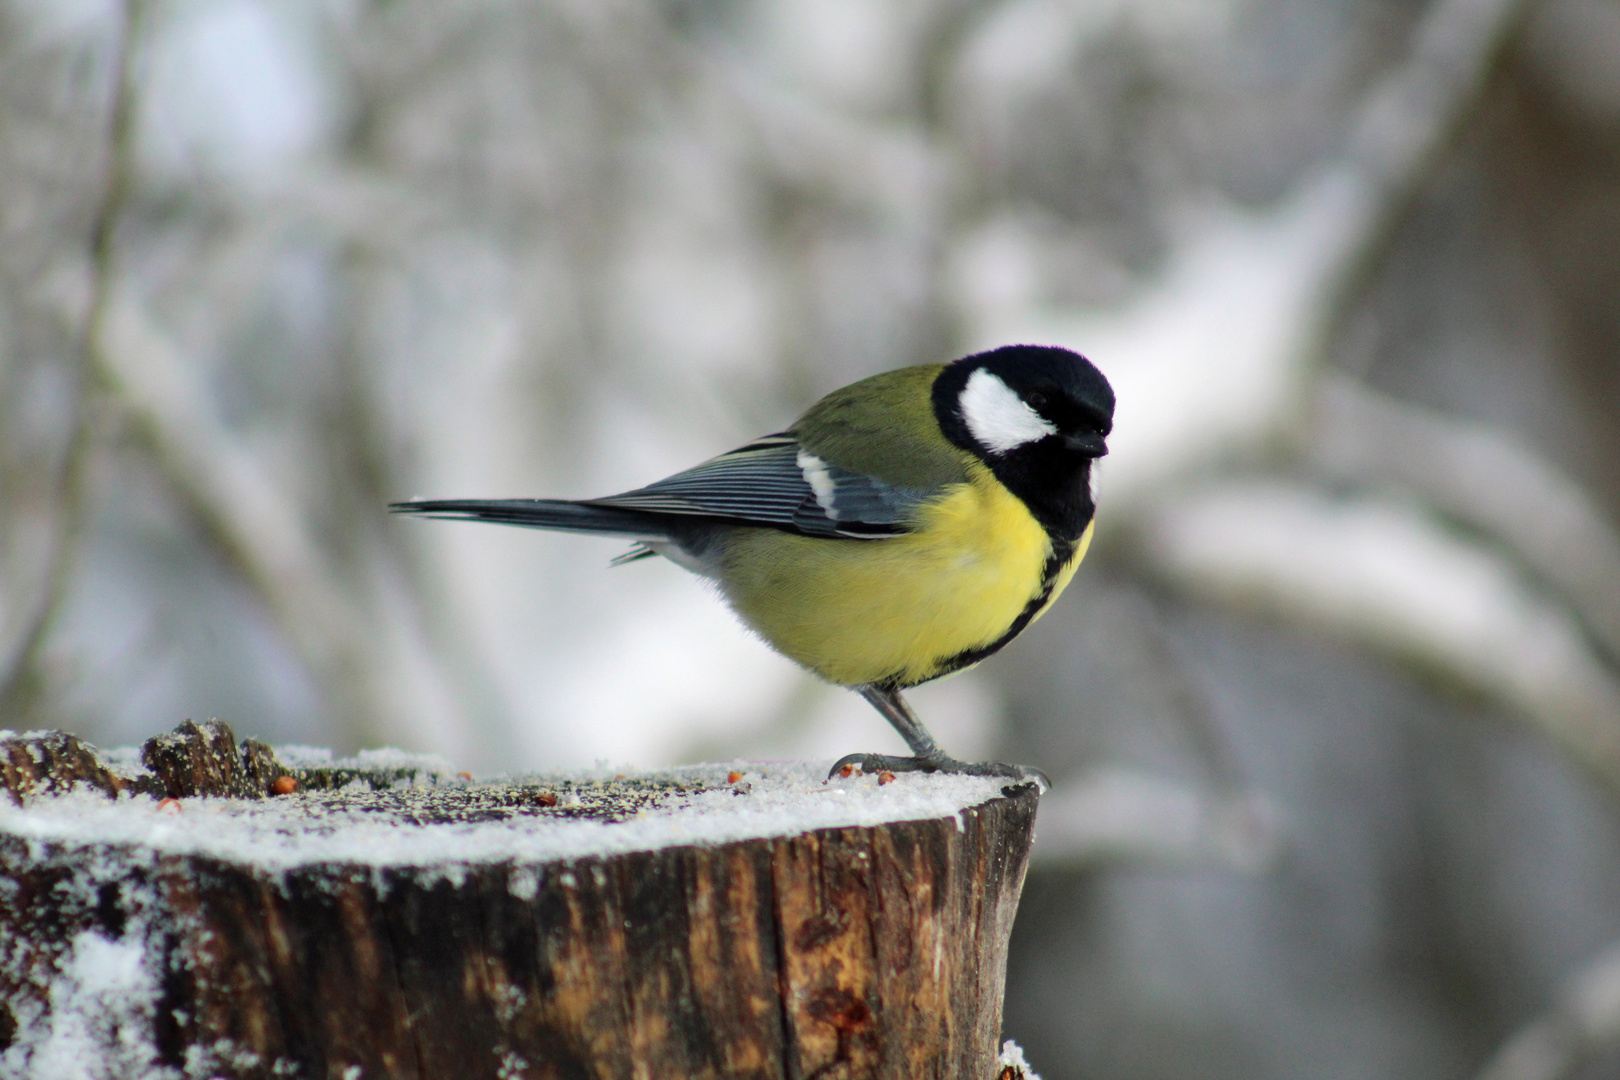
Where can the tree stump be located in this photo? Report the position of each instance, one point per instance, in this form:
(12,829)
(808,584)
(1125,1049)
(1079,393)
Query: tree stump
(171,917)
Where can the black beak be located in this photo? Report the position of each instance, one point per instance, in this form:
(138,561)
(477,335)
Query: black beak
(1090,443)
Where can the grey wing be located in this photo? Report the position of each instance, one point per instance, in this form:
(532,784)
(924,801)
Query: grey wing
(775,482)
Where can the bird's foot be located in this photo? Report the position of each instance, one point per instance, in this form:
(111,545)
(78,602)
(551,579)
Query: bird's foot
(879,763)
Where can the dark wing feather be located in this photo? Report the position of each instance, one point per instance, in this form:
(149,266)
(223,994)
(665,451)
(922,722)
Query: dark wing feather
(775,482)
(560,514)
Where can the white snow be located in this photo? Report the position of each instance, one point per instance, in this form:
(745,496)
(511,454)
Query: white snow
(277,835)
(1012,1057)
(101,992)
(99,1023)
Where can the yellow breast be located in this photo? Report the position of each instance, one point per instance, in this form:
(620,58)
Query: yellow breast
(861,611)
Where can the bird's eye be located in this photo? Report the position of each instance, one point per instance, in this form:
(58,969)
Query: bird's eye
(1036,399)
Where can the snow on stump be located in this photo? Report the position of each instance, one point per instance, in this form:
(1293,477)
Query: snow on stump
(203,909)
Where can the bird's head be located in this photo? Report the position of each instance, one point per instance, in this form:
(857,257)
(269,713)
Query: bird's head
(1023,398)
(1037,416)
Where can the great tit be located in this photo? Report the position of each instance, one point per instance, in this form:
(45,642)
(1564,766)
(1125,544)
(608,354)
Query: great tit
(906,527)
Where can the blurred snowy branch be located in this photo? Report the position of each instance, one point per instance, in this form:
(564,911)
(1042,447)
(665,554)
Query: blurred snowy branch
(25,624)
(1385,572)
(1220,364)
(1217,361)
(263,532)
(1541,516)
(1121,815)
(1350,266)
(572,246)
(1582,1024)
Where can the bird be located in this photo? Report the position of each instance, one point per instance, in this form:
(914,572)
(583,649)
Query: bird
(906,527)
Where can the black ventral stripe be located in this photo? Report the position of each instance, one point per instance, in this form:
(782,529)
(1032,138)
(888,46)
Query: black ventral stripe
(1062,552)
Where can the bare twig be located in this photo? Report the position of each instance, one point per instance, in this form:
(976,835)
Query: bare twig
(1404,128)
(244,512)
(18,682)
(373,664)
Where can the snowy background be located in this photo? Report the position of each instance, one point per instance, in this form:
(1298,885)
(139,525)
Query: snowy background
(1334,706)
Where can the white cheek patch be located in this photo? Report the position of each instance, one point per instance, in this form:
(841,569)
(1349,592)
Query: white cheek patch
(998,418)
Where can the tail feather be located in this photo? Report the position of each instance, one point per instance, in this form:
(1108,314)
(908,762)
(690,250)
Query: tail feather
(544,514)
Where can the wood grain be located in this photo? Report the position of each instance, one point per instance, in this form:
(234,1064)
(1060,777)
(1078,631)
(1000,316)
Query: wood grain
(850,952)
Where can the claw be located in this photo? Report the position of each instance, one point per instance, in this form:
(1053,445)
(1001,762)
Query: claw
(1040,778)
(878,763)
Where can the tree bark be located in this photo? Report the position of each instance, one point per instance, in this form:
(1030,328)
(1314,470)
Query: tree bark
(862,951)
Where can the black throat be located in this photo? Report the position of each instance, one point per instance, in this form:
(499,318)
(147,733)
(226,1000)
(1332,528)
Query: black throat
(1051,479)
(1054,482)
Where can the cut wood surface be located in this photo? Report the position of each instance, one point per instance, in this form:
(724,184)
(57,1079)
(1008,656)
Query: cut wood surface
(167,915)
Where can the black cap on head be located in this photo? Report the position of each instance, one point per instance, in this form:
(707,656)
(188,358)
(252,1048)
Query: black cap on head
(1032,368)
(1059,385)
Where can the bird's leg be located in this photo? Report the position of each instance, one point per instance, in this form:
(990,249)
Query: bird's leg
(897,711)
(929,756)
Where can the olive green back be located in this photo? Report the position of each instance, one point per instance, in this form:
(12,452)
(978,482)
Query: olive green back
(884,427)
